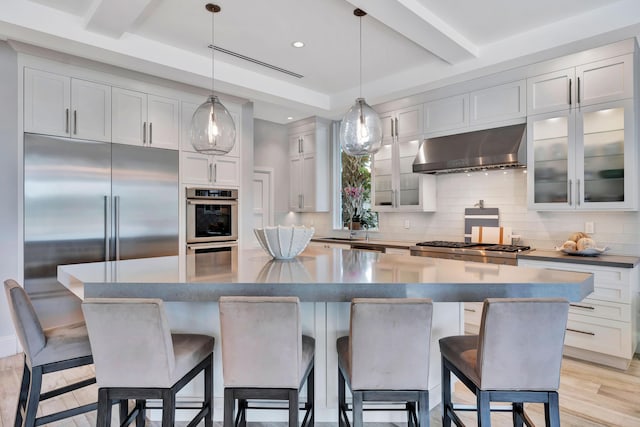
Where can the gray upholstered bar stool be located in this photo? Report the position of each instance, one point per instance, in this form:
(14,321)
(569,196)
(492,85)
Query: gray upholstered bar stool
(385,358)
(516,358)
(45,351)
(265,355)
(137,357)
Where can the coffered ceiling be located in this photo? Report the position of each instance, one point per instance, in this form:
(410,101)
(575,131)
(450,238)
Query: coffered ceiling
(408,46)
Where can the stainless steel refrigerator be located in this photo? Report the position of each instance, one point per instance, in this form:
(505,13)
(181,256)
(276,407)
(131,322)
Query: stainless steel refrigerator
(87,201)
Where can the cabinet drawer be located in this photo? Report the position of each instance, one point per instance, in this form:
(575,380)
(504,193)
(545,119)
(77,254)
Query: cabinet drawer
(473,313)
(602,309)
(599,335)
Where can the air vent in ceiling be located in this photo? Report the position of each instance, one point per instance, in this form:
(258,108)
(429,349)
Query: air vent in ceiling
(255,61)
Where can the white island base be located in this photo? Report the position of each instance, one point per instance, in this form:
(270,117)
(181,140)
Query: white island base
(326,322)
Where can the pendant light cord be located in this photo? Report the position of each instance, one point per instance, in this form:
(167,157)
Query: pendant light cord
(213,48)
(360,18)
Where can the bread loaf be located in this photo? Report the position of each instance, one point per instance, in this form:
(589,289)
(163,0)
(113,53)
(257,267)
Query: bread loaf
(577,236)
(585,243)
(569,245)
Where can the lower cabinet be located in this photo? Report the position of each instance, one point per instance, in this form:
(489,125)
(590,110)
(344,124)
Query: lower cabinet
(602,328)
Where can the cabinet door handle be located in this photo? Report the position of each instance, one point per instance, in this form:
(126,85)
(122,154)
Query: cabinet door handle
(144,133)
(578,192)
(586,307)
(470,310)
(392,128)
(75,122)
(210,172)
(570,193)
(215,173)
(569,91)
(66,126)
(107,221)
(150,133)
(581,332)
(578,92)
(397,131)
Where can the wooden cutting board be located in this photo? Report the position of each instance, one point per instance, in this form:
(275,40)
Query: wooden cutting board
(495,235)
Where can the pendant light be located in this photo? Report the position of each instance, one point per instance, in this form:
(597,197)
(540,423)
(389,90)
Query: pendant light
(361,129)
(212,128)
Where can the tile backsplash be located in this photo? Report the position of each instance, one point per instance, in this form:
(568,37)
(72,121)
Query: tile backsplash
(505,190)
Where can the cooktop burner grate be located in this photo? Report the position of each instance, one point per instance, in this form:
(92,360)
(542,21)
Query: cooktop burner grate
(507,248)
(445,244)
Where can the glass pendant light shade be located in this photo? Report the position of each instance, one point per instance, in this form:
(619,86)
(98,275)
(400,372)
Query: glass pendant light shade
(212,128)
(361,130)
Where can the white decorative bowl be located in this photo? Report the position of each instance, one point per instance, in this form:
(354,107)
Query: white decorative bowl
(284,242)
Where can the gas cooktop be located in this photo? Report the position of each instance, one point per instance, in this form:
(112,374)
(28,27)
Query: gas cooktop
(479,252)
(483,246)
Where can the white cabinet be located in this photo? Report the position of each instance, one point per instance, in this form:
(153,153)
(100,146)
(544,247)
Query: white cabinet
(145,119)
(602,327)
(203,169)
(309,174)
(476,109)
(583,159)
(403,123)
(395,188)
(63,106)
(472,317)
(587,84)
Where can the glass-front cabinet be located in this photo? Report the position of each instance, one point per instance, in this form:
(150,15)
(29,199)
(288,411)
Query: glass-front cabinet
(583,158)
(395,187)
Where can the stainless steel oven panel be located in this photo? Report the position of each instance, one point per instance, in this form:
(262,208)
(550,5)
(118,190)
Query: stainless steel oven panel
(191,220)
(210,247)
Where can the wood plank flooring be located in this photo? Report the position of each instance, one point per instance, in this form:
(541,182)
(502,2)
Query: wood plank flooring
(590,396)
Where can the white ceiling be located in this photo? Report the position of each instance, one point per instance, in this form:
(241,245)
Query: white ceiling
(408,46)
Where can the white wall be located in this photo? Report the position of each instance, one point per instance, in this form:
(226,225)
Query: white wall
(9,222)
(271,150)
(508,192)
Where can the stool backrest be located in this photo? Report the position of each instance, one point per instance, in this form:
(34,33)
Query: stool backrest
(389,341)
(25,320)
(261,342)
(130,341)
(520,343)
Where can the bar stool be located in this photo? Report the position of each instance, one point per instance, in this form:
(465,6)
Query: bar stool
(265,355)
(516,358)
(137,357)
(45,351)
(385,358)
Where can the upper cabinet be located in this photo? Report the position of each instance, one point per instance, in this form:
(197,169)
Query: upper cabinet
(587,84)
(395,187)
(401,124)
(63,106)
(461,113)
(584,159)
(145,119)
(309,169)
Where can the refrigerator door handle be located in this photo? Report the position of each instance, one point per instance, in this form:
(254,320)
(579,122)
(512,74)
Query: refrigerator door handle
(117,226)
(106,227)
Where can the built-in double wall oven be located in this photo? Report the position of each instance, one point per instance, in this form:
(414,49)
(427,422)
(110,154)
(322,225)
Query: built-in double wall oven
(212,219)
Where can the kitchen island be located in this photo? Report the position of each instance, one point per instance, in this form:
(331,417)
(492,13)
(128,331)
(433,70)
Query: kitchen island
(325,280)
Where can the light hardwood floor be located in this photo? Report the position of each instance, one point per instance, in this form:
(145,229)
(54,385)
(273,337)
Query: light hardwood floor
(590,396)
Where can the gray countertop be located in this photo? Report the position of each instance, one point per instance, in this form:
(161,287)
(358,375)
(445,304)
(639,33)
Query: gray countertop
(604,260)
(318,274)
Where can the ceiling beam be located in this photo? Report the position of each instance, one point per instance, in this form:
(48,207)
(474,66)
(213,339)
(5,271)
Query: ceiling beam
(114,17)
(417,23)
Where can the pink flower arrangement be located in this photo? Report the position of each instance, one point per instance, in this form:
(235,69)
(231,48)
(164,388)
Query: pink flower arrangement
(354,198)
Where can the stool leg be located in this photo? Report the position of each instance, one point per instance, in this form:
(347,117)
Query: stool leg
(242,413)
(446,394)
(104,409)
(484,410)
(168,408)
(311,396)
(357,408)
(341,399)
(140,418)
(552,411)
(518,410)
(123,410)
(423,409)
(229,407)
(208,392)
(33,397)
(293,408)
(24,392)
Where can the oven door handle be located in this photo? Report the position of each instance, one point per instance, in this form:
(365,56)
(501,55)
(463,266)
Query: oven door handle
(212,202)
(212,245)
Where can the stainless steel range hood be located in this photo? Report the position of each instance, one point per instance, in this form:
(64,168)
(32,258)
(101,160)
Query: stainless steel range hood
(502,147)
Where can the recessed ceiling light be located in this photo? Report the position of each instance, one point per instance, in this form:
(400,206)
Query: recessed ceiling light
(297,44)
(289,118)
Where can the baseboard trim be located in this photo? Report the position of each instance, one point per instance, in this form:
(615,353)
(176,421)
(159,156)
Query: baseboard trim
(8,346)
